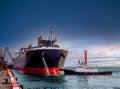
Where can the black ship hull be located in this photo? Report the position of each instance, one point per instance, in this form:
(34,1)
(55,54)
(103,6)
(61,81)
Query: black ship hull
(41,61)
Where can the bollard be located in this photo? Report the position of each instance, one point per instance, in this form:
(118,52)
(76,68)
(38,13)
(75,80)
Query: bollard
(21,86)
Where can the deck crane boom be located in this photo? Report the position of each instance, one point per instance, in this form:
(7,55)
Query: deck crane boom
(7,50)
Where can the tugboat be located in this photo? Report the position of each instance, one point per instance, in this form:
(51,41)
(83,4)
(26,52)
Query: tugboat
(83,70)
(45,59)
(83,66)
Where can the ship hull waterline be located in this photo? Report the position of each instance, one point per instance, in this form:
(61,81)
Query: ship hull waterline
(40,71)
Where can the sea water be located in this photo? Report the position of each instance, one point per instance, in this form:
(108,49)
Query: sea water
(71,81)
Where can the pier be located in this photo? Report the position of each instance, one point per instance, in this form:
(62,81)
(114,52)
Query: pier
(8,80)
(4,80)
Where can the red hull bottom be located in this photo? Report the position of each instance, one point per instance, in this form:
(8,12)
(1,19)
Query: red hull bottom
(40,71)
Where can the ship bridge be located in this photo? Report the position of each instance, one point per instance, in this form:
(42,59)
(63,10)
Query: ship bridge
(47,42)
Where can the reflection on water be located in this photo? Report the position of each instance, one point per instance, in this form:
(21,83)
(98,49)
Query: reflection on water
(70,82)
(49,79)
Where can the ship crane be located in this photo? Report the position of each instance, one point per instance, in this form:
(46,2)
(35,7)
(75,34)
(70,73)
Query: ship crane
(6,50)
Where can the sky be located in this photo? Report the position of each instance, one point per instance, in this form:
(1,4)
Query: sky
(92,25)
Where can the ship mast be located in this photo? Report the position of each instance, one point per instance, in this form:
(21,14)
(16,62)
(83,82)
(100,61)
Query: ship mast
(85,59)
(51,34)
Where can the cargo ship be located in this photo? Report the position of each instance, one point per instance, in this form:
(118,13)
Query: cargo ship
(47,58)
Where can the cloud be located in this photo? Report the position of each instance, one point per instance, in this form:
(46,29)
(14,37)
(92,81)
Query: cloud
(100,55)
(76,49)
